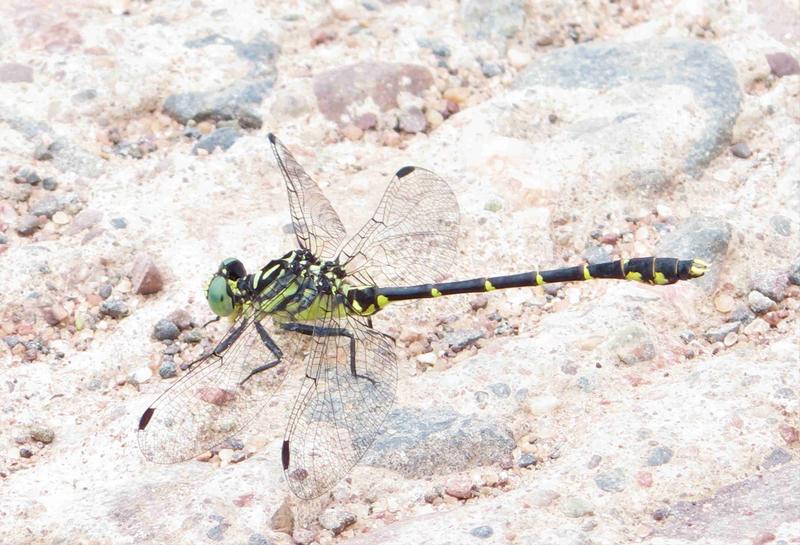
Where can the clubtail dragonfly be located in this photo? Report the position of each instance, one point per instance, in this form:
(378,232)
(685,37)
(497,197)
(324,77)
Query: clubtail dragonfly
(314,305)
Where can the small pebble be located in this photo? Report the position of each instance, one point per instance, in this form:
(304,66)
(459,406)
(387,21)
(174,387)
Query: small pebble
(611,481)
(336,520)
(794,272)
(756,327)
(771,282)
(482,532)
(518,57)
(167,369)
(49,184)
(193,336)
(140,375)
(781,225)
(42,434)
(25,452)
(724,302)
(303,536)
(661,513)
(412,120)
(741,150)
(783,64)
(105,291)
(718,334)
(114,308)
(760,303)
(283,519)
(61,218)
(526,460)
(459,487)
(659,456)
(166,330)
(119,223)
(491,69)
(730,339)
(146,277)
(352,132)
(55,314)
(27,225)
(457,95)
(576,508)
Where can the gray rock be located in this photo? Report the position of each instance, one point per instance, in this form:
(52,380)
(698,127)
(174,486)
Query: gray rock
(612,481)
(114,308)
(261,51)
(220,138)
(777,457)
(781,225)
(119,223)
(46,206)
(414,440)
(336,520)
(412,120)
(651,181)
(701,67)
(783,64)
(460,339)
(437,47)
(794,272)
(43,152)
(493,19)
(741,150)
(700,237)
(43,434)
(718,334)
(659,456)
(49,184)
(577,507)
(165,329)
(482,532)
(167,369)
(234,102)
(760,303)
(527,460)
(771,282)
(27,225)
(491,69)
(500,389)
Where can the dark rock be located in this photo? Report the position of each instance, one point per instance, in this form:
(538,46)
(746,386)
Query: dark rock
(700,237)
(612,481)
(659,456)
(527,460)
(49,184)
(26,176)
(193,336)
(493,20)
(119,223)
(46,206)
(782,64)
(166,330)
(412,120)
(491,69)
(771,282)
(146,277)
(105,291)
(167,369)
(220,138)
(235,102)
(27,225)
(114,308)
(742,314)
(181,318)
(741,150)
(336,520)
(43,152)
(413,440)
(339,89)
(25,452)
(701,67)
(437,47)
(11,72)
(482,532)
(661,513)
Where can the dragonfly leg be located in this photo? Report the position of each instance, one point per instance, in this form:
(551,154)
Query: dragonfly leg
(272,346)
(306,329)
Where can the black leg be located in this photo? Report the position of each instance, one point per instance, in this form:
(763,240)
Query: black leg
(270,344)
(306,329)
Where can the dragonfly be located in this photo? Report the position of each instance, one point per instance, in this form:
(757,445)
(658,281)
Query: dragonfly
(313,308)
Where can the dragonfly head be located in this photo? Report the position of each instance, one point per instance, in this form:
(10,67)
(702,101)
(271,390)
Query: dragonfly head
(223,295)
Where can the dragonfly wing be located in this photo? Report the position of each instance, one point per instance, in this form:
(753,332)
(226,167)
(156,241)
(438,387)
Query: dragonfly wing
(348,390)
(213,401)
(413,236)
(316,224)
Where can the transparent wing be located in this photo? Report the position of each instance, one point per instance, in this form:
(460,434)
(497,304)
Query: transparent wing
(316,224)
(413,236)
(213,401)
(349,388)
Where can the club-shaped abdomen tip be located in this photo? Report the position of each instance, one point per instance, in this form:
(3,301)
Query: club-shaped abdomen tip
(271,137)
(698,268)
(405,171)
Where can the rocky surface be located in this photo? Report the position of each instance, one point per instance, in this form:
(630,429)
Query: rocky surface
(134,158)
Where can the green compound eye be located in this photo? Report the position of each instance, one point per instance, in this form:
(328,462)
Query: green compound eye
(220,298)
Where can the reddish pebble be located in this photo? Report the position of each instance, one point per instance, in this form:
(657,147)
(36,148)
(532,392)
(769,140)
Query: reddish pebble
(790,434)
(459,487)
(145,276)
(55,314)
(766,537)
(321,36)
(645,479)
(216,396)
(243,500)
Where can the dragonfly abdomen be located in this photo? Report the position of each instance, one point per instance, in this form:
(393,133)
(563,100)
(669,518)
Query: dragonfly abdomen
(651,270)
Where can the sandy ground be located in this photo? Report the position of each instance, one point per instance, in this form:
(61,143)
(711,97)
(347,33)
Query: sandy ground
(134,158)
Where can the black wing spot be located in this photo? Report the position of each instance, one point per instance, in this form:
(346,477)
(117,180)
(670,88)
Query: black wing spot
(145,419)
(271,137)
(405,171)
(285,455)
